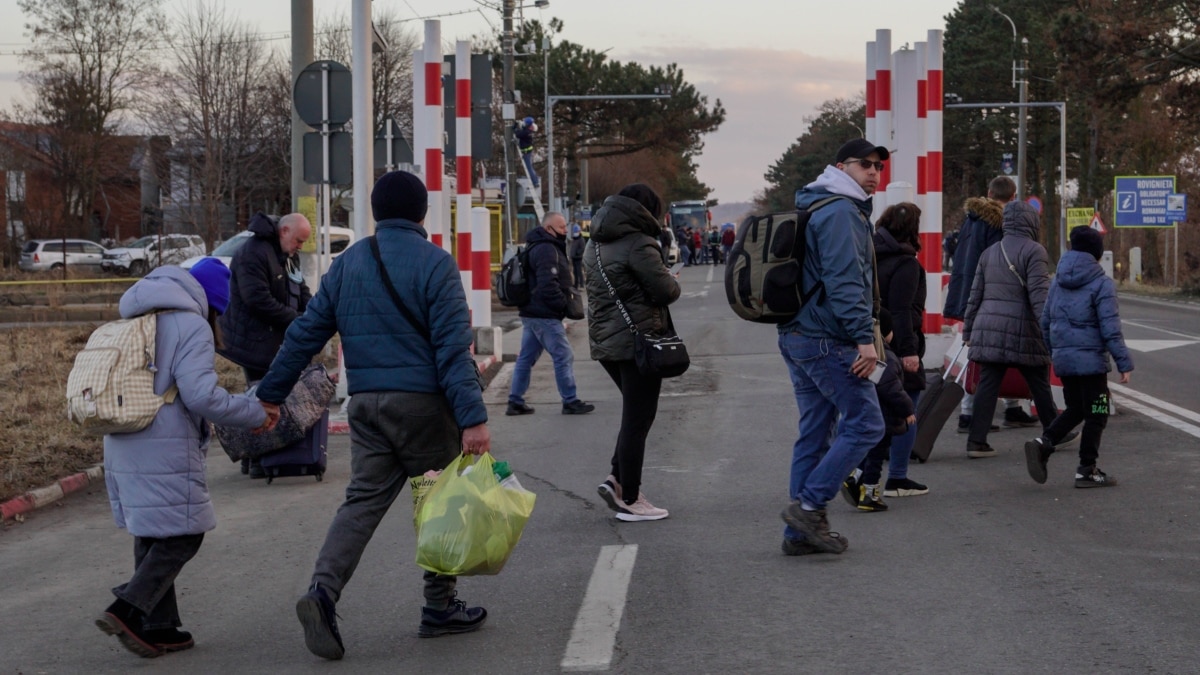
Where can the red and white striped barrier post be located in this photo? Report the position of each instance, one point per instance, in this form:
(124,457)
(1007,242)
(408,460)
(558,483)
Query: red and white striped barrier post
(931,219)
(883,109)
(435,122)
(907,138)
(481,267)
(462,164)
(922,100)
(420,134)
(869,128)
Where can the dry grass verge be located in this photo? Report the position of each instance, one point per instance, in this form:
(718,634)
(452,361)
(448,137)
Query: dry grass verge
(37,443)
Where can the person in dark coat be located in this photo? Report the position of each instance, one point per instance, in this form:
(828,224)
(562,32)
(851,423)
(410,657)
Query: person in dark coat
(575,246)
(624,250)
(415,399)
(550,291)
(1002,324)
(1082,327)
(983,226)
(861,489)
(156,477)
(902,292)
(267,293)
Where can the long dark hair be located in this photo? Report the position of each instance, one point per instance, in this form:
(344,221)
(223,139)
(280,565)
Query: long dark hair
(903,220)
(213,315)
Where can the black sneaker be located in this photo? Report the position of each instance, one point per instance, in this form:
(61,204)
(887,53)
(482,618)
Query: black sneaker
(1037,453)
(806,547)
(870,501)
(903,487)
(170,639)
(577,408)
(256,469)
(1091,477)
(851,490)
(979,450)
(315,611)
(457,618)
(245,465)
(1016,417)
(964,425)
(518,409)
(124,621)
(815,527)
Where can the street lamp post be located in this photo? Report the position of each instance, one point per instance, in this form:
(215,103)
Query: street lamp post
(1023,96)
(551,100)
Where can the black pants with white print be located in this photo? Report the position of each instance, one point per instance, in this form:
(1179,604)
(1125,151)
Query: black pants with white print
(1086,397)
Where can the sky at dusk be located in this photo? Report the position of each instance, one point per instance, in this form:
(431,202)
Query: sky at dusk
(770,62)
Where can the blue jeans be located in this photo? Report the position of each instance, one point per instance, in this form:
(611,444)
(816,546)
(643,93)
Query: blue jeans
(825,388)
(902,446)
(550,335)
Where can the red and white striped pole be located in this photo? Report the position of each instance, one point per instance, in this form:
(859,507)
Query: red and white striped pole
(931,219)
(435,122)
(462,163)
(869,128)
(481,267)
(420,134)
(922,155)
(907,142)
(883,109)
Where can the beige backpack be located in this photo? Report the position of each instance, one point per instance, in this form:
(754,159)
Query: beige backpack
(111,386)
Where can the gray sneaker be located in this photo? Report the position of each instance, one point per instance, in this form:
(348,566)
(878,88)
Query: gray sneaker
(815,527)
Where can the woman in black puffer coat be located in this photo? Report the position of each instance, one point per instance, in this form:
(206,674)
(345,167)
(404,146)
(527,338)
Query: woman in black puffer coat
(625,244)
(902,292)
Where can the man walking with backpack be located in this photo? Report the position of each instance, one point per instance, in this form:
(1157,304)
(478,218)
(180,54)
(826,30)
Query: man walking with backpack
(829,347)
(550,290)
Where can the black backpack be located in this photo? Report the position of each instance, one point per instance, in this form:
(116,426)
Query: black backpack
(512,285)
(766,265)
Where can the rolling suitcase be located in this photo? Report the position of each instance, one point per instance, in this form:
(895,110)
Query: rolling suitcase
(305,457)
(939,401)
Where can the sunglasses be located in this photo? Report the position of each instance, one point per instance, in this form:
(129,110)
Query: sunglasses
(866,163)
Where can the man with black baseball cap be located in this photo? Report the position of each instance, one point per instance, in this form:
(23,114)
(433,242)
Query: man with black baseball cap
(829,346)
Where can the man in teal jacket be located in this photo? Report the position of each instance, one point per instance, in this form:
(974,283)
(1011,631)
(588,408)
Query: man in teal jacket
(829,346)
(415,397)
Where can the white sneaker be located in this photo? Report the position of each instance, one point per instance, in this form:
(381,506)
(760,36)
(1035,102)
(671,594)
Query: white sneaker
(642,509)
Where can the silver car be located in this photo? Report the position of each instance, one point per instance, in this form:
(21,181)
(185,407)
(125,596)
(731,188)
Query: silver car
(40,255)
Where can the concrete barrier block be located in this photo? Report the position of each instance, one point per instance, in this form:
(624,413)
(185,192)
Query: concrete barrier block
(47,495)
(489,340)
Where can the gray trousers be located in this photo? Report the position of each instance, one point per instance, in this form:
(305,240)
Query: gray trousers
(393,437)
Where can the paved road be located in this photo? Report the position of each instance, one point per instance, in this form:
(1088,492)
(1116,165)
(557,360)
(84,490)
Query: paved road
(990,572)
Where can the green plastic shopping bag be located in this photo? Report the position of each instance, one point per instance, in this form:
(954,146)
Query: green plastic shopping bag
(468,524)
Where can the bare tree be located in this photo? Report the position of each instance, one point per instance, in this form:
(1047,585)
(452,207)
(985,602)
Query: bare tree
(87,58)
(215,101)
(391,70)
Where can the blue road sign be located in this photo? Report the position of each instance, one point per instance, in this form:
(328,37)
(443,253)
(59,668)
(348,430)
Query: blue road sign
(1147,201)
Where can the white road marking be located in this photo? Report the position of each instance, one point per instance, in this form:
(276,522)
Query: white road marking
(711,269)
(595,633)
(1150,400)
(1161,417)
(1161,330)
(697,294)
(1156,345)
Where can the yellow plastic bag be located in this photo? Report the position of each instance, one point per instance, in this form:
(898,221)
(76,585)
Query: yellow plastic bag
(468,524)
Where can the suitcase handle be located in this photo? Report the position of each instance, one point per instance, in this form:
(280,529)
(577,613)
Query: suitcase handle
(954,361)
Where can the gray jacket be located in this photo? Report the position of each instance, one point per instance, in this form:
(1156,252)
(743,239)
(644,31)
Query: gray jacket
(1002,318)
(628,239)
(155,476)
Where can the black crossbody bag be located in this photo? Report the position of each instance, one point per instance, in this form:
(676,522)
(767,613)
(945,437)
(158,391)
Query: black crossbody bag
(659,355)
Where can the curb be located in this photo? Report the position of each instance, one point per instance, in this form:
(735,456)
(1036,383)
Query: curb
(340,425)
(36,499)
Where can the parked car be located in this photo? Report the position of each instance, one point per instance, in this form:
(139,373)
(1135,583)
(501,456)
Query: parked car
(340,239)
(39,255)
(151,251)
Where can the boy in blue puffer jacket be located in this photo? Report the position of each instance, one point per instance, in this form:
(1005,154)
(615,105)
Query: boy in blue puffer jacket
(1082,327)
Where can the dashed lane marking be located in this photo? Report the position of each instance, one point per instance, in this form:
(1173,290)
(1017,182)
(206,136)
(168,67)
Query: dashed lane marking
(595,633)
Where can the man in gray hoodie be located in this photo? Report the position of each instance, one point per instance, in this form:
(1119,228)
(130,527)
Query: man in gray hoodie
(829,346)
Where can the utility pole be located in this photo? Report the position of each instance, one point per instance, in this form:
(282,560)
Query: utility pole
(509,113)
(1023,120)
(302,55)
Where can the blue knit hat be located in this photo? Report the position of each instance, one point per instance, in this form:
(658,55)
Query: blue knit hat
(213,276)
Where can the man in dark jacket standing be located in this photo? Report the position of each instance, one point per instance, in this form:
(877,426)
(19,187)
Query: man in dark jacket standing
(984,226)
(266,293)
(1001,325)
(575,248)
(829,347)
(415,399)
(542,317)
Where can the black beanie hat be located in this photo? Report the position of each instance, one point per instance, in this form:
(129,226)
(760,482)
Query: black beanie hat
(885,324)
(1084,238)
(399,194)
(646,196)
